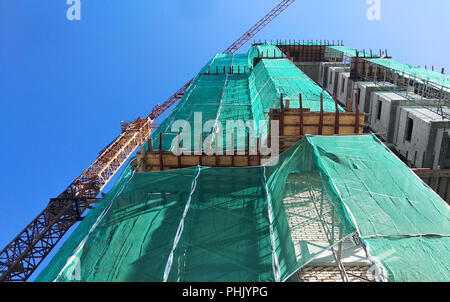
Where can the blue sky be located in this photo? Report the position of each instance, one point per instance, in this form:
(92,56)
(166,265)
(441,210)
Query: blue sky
(66,85)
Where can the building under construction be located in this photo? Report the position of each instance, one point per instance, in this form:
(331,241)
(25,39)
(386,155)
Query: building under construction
(333,169)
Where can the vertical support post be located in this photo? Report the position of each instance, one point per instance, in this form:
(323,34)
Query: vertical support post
(321,202)
(248,149)
(301,114)
(321,115)
(179,147)
(150,145)
(339,252)
(356,113)
(281,115)
(161,166)
(216,148)
(333,214)
(200,150)
(232,148)
(258,147)
(336,119)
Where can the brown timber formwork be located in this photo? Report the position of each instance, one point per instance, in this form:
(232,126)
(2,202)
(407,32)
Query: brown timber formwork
(314,123)
(304,53)
(328,123)
(151,161)
(293,125)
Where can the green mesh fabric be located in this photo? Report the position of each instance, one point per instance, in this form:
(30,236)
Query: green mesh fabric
(425,75)
(310,43)
(243,97)
(254,224)
(219,98)
(239,62)
(271,78)
(264,51)
(259,223)
(331,51)
(404,224)
(204,95)
(206,224)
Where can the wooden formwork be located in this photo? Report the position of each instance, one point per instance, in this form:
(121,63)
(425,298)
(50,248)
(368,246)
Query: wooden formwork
(315,123)
(293,125)
(304,53)
(153,161)
(296,123)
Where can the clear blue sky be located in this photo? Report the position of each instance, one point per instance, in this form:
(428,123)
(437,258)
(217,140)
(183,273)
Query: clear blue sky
(66,85)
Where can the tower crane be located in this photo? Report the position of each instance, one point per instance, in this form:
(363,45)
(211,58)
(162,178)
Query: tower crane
(20,258)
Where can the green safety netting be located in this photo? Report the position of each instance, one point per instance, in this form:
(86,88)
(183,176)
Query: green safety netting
(239,62)
(219,98)
(425,75)
(263,51)
(259,223)
(404,224)
(207,224)
(245,97)
(294,42)
(334,51)
(263,223)
(271,78)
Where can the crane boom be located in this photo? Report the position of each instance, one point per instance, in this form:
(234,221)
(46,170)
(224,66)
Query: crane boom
(26,252)
(258,26)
